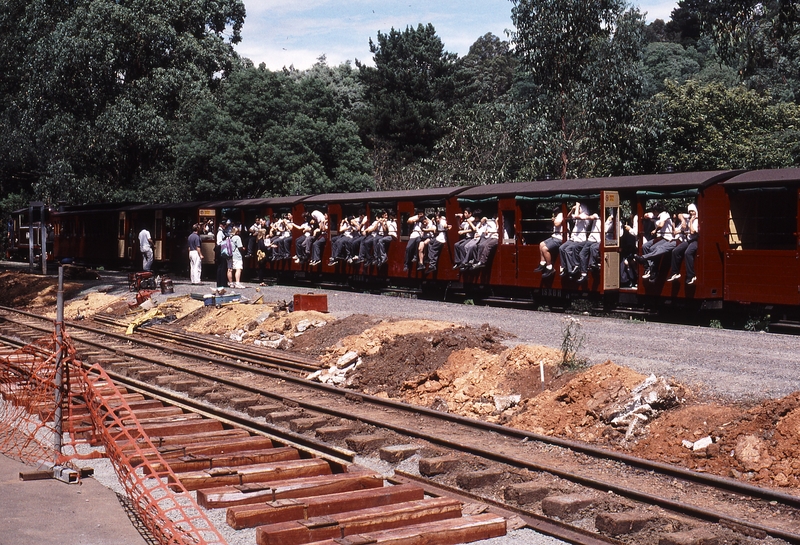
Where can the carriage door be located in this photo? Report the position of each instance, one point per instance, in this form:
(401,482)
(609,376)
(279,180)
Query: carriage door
(122,229)
(158,237)
(610,244)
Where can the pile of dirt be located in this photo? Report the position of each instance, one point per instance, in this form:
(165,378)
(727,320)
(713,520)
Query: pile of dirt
(21,290)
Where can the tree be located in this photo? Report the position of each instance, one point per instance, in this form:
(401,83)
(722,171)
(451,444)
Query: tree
(273,133)
(581,64)
(408,92)
(711,126)
(100,87)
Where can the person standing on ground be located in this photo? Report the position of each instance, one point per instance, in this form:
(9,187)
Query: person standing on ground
(237,262)
(146,247)
(195,255)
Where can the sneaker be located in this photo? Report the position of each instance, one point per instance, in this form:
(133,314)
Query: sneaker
(691,281)
(548,272)
(673,278)
(646,275)
(582,277)
(561,271)
(540,268)
(331,262)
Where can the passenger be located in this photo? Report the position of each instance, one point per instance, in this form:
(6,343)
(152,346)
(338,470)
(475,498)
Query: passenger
(438,241)
(284,242)
(466,232)
(551,245)
(590,253)
(489,240)
(628,275)
(320,238)
(340,243)
(661,244)
(224,262)
(414,239)
(687,247)
(428,228)
(146,248)
(571,249)
(236,258)
(195,255)
(302,244)
(263,253)
(389,234)
(366,253)
(360,225)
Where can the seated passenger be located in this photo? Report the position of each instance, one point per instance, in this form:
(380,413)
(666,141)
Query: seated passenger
(628,275)
(488,242)
(387,232)
(550,245)
(438,241)
(590,253)
(428,229)
(661,244)
(466,231)
(354,244)
(414,239)
(340,243)
(302,244)
(688,228)
(366,254)
(570,250)
(319,239)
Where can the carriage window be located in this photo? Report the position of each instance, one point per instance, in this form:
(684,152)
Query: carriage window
(763,219)
(509,227)
(536,221)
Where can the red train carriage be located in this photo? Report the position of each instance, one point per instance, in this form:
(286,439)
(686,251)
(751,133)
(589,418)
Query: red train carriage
(759,242)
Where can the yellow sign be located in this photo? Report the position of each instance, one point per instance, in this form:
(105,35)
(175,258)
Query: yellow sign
(207,212)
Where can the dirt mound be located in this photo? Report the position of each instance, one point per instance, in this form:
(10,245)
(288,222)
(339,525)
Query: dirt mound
(22,289)
(396,354)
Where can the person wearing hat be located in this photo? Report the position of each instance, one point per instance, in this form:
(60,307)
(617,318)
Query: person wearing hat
(687,248)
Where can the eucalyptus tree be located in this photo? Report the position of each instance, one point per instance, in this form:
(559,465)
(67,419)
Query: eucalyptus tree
(100,86)
(582,79)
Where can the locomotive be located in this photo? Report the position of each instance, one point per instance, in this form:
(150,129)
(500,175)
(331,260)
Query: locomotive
(747,259)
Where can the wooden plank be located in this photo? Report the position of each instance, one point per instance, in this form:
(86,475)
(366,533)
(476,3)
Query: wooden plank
(181,440)
(188,427)
(445,532)
(357,522)
(248,457)
(168,419)
(229,496)
(258,473)
(250,516)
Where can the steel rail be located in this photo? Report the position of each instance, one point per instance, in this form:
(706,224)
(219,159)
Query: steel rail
(708,480)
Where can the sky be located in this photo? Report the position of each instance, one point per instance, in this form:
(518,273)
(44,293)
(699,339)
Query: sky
(296,33)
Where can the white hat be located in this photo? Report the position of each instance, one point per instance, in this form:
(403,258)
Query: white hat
(692,208)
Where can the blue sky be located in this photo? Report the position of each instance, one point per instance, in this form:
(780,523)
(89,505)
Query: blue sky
(280,33)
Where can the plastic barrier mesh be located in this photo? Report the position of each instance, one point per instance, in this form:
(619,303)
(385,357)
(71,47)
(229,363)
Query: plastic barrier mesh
(95,412)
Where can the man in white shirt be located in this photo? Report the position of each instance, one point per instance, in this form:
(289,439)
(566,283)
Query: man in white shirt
(146,248)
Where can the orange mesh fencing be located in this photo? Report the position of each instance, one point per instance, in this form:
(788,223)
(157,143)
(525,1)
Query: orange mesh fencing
(95,412)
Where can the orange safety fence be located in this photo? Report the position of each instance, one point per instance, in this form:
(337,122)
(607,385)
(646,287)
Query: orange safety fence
(95,413)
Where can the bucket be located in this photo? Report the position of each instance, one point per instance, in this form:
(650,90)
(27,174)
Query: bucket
(166,285)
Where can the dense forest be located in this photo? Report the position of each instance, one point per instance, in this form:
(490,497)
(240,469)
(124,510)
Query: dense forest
(136,100)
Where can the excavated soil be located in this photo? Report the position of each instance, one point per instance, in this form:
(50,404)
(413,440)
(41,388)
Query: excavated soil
(471,372)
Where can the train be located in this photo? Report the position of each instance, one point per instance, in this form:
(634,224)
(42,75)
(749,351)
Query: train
(747,260)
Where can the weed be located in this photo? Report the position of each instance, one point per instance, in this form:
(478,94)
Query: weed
(469,302)
(572,339)
(757,323)
(715,324)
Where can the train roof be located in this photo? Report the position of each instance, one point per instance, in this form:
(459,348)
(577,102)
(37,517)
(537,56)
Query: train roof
(765,177)
(416,195)
(664,183)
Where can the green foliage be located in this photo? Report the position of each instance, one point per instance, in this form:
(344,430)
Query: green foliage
(581,63)
(715,324)
(757,323)
(708,127)
(408,93)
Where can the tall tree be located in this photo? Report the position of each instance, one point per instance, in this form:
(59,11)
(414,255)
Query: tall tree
(581,62)
(101,87)
(408,93)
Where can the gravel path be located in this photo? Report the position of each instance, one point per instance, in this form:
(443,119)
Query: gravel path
(740,365)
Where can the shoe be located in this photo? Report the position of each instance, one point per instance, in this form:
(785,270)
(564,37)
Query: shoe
(331,262)
(296,259)
(691,281)
(350,260)
(646,275)
(456,266)
(653,278)
(431,269)
(639,259)
(574,270)
(562,271)
(540,268)
(478,265)
(673,278)
(582,277)
(355,259)
(548,272)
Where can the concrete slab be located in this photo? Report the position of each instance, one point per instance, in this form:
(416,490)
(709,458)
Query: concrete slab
(54,513)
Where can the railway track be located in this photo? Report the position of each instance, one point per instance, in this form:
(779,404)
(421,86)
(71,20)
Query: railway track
(572,491)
